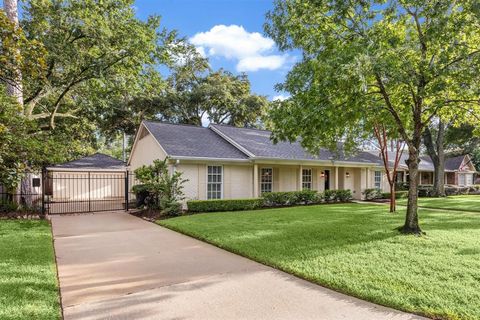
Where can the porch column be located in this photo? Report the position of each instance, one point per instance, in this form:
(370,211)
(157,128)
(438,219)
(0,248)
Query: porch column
(299,180)
(367,172)
(336,178)
(255,181)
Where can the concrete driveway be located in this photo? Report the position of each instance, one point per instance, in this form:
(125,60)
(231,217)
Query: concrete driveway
(116,266)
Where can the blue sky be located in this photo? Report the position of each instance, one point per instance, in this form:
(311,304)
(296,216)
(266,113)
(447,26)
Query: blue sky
(230,33)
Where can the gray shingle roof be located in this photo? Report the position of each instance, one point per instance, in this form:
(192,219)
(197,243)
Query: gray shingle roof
(454,163)
(192,141)
(95,161)
(258,143)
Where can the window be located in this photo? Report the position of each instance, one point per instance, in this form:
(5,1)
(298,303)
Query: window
(307,179)
(214,182)
(461,179)
(266,180)
(469,179)
(378,179)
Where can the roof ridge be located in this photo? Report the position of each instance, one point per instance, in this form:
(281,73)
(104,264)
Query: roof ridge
(175,124)
(231,126)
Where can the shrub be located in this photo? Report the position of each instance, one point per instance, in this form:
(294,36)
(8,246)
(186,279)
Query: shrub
(224,205)
(274,199)
(398,195)
(7,206)
(372,194)
(329,195)
(425,190)
(305,197)
(343,195)
(165,190)
(401,186)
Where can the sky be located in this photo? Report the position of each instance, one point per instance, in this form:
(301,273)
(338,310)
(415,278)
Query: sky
(230,33)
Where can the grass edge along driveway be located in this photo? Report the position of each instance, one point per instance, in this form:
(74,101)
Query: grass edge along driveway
(28,274)
(355,249)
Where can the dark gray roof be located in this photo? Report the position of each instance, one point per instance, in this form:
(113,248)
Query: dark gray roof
(94,161)
(258,143)
(192,141)
(454,163)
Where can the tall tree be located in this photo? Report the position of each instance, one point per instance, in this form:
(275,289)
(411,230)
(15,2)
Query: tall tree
(406,61)
(14,86)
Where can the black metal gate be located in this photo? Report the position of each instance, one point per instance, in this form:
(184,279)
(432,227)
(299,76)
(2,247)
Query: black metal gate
(85,191)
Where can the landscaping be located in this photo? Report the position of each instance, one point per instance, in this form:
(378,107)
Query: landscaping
(461,203)
(28,278)
(356,249)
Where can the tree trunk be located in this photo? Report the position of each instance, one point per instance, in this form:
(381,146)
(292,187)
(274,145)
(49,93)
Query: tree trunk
(411,221)
(436,152)
(393,200)
(14,88)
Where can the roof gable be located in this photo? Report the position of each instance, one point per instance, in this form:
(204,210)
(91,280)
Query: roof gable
(180,140)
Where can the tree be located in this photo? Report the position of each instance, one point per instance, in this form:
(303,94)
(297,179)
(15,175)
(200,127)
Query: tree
(383,139)
(433,138)
(89,45)
(364,61)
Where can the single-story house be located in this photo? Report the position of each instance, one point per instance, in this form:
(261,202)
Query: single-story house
(226,162)
(459,170)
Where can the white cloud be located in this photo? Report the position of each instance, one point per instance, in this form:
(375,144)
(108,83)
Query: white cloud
(281,97)
(255,63)
(251,49)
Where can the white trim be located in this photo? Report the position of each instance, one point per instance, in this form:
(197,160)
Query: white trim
(231,141)
(221,184)
(136,140)
(271,168)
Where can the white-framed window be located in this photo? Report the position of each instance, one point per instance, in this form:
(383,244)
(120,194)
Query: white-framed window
(378,179)
(214,182)
(469,179)
(307,179)
(266,180)
(461,179)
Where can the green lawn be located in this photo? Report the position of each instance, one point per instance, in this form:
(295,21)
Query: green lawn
(353,248)
(28,279)
(464,203)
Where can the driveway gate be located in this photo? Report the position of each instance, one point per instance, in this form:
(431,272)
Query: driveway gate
(85,191)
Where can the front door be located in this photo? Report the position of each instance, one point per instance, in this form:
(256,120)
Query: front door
(327,179)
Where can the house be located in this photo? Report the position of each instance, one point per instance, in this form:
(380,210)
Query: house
(226,162)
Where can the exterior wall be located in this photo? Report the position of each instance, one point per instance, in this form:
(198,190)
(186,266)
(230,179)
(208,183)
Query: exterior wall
(288,178)
(146,150)
(237,181)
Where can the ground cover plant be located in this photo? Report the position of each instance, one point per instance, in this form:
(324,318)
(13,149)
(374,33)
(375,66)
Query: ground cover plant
(355,249)
(28,278)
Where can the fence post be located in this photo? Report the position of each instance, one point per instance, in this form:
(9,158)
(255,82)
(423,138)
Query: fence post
(89,196)
(126,190)
(44,181)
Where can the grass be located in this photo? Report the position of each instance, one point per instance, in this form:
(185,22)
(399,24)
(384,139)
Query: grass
(462,203)
(353,248)
(28,279)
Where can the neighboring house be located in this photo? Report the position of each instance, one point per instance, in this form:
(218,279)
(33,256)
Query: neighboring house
(459,170)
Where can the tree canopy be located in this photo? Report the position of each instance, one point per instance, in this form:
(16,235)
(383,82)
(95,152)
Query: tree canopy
(401,62)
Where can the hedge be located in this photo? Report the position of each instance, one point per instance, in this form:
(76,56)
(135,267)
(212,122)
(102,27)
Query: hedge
(373,194)
(398,195)
(224,205)
(271,199)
